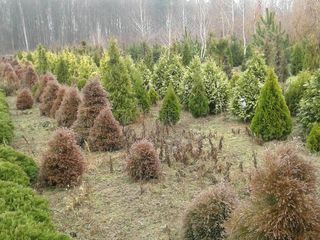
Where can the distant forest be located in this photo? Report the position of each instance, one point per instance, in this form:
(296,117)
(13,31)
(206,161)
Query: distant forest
(56,23)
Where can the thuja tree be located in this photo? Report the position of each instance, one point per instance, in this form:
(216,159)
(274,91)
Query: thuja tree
(62,71)
(42,64)
(272,118)
(309,112)
(215,85)
(140,92)
(192,72)
(297,58)
(247,89)
(198,102)
(170,109)
(117,81)
(169,70)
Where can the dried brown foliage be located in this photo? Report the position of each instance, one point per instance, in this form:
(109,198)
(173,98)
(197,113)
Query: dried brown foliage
(48,97)
(9,81)
(43,81)
(57,102)
(283,204)
(106,134)
(143,161)
(94,100)
(29,78)
(24,99)
(63,164)
(67,113)
(205,216)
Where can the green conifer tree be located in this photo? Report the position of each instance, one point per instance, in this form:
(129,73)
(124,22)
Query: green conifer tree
(62,71)
(117,82)
(272,118)
(42,64)
(170,109)
(198,102)
(153,96)
(297,59)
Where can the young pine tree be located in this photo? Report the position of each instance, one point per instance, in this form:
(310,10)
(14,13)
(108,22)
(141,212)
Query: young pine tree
(117,82)
(272,118)
(198,102)
(170,109)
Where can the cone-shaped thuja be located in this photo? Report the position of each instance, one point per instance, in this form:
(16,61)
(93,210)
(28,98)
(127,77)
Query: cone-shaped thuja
(272,118)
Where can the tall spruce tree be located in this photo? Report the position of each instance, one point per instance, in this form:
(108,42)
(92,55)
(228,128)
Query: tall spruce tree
(117,82)
(272,118)
(170,109)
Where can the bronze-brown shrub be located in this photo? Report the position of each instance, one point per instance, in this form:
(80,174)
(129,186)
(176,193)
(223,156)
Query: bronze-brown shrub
(43,81)
(24,99)
(143,161)
(93,101)
(106,134)
(10,80)
(67,113)
(57,102)
(62,164)
(283,204)
(48,97)
(205,216)
(30,78)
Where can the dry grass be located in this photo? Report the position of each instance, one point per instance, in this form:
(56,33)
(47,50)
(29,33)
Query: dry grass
(108,205)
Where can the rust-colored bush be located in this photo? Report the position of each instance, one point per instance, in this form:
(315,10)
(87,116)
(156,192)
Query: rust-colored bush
(106,134)
(205,216)
(67,113)
(24,99)
(29,78)
(9,81)
(143,161)
(62,164)
(283,204)
(48,97)
(57,102)
(43,81)
(94,100)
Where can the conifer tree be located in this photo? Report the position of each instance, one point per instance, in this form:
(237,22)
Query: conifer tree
(170,109)
(42,64)
(94,100)
(313,140)
(272,118)
(67,113)
(105,134)
(153,96)
(57,102)
(246,92)
(62,71)
(198,102)
(193,72)
(48,97)
(117,82)
(309,106)
(215,85)
(297,59)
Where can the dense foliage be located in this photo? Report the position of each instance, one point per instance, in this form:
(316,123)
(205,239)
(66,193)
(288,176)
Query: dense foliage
(313,140)
(198,102)
(170,109)
(272,118)
(24,99)
(13,173)
(6,126)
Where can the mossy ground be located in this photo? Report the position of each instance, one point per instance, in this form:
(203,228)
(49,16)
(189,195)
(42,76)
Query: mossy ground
(108,205)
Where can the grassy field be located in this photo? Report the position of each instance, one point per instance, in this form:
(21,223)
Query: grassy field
(107,205)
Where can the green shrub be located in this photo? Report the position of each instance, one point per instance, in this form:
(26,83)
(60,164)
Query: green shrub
(13,173)
(170,109)
(272,118)
(198,101)
(295,90)
(15,197)
(215,85)
(313,140)
(18,226)
(6,126)
(205,216)
(309,111)
(26,163)
(246,92)
(153,96)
